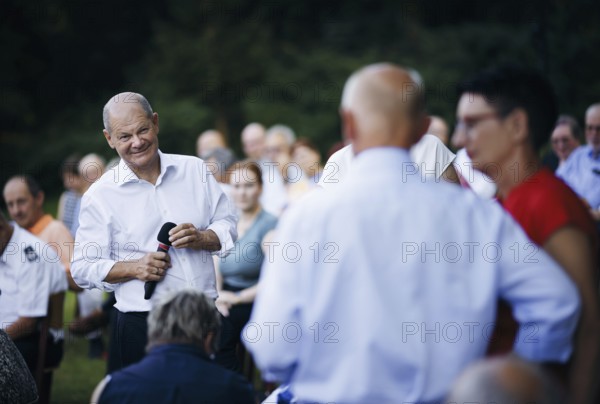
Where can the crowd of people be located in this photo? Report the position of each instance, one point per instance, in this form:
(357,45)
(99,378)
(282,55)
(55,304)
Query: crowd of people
(398,271)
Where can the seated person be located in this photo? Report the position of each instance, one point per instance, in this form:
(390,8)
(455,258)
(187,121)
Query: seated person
(30,273)
(183,331)
(16,383)
(238,272)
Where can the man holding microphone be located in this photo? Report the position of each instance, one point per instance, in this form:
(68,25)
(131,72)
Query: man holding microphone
(122,213)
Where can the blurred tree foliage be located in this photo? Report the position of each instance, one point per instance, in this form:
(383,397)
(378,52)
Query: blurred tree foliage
(221,64)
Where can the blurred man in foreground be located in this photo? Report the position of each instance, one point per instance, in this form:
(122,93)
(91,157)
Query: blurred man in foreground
(348,315)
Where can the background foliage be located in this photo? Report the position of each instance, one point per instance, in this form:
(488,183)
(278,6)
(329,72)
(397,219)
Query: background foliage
(222,64)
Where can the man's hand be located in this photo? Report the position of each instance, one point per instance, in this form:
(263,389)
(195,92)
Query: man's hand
(152,266)
(186,235)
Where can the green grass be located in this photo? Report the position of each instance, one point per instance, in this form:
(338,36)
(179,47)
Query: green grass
(78,375)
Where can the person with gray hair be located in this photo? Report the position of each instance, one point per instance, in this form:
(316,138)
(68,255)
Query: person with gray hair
(505,380)
(565,137)
(278,148)
(183,334)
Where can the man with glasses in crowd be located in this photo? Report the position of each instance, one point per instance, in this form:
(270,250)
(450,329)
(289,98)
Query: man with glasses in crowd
(581,171)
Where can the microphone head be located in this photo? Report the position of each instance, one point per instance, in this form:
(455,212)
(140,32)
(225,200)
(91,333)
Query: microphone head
(163,234)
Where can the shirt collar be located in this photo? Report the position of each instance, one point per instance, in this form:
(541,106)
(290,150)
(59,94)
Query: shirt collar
(189,348)
(125,173)
(383,157)
(40,224)
(590,153)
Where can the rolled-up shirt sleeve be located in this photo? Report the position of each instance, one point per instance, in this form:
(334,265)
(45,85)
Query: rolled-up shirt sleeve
(223,219)
(92,259)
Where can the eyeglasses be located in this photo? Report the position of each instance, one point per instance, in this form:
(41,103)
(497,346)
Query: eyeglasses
(469,122)
(561,140)
(592,128)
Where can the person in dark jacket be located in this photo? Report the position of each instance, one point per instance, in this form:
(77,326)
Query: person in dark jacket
(183,331)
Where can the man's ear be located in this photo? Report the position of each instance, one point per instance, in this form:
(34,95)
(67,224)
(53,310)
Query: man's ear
(39,199)
(108,138)
(349,129)
(208,343)
(155,121)
(519,125)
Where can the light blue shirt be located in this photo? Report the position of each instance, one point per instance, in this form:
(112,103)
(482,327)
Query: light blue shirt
(385,290)
(581,172)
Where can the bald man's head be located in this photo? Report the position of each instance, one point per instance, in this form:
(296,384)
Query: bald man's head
(504,380)
(208,141)
(121,104)
(91,167)
(383,105)
(253,140)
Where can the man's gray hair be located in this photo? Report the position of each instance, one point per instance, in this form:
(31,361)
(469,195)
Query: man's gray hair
(184,317)
(283,130)
(125,97)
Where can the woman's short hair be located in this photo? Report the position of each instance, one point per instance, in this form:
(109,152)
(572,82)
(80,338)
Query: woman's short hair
(184,317)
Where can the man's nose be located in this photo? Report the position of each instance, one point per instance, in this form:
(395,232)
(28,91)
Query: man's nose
(137,141)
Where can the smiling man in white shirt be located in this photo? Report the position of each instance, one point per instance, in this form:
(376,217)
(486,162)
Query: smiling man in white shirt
(378,293)
(122,213)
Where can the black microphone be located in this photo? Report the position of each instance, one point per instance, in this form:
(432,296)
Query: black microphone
(163,245)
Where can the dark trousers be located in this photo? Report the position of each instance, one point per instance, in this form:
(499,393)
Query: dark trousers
(231,329)
(29,348)
(131,337)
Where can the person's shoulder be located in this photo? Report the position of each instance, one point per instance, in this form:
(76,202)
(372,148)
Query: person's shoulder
(185,164)
(181,159)
(269,220)
(59,227)
(109,179)
(33,250)
(577,155)
(557,194)
(234,386)
(428,140)
(345,153)
(545,187)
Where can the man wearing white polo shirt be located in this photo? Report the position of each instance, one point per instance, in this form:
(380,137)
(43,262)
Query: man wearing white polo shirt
(30,272)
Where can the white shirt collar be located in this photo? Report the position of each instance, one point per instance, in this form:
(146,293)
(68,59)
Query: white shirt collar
(127,175)
(384,157)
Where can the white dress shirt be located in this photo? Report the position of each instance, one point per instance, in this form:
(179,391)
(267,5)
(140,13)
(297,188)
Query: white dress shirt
(431,158)
(274,197)
(380,293)
(30,271)
(121,216)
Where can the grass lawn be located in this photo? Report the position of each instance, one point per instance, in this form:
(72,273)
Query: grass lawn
(78,375)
